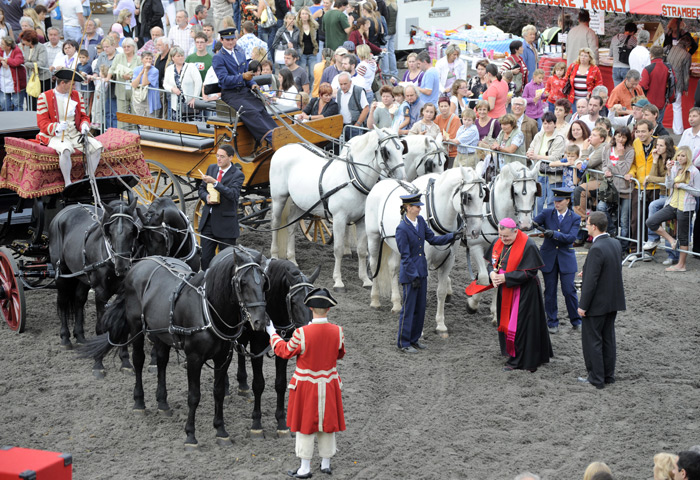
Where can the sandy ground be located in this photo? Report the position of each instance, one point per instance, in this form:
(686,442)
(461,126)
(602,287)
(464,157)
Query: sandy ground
(449,412)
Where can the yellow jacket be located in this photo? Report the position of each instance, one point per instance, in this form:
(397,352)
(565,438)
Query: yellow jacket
(641,167)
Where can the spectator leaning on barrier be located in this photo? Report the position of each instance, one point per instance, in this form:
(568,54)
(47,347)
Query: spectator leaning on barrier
(663,152)
(449,124)
(620,47)
(581,37)
(525,124)
(14,76)
(639,56)
(510,141)
(547,146)
(35,55)
(643,161)
(145,76)
(426,125)
(617,160)
(352,104)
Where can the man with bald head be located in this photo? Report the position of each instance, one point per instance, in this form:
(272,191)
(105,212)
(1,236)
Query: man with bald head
(150,46)
(414,107)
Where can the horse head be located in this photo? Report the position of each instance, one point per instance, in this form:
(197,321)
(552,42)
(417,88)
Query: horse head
(154,235)
(121,226)
(523,190)
(165,229)
(249,284)
(299,286)
(469,200)
(391,150)
(434,159)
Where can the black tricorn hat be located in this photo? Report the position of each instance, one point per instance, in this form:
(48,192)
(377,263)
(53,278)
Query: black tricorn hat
(68,74)
(320,298)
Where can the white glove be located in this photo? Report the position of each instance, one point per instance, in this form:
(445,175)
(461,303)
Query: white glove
(85,129)
(61,127)
(270,329)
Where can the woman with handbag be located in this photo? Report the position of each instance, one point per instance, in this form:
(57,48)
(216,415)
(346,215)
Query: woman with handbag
(510,142)
(145,100)
(267,24)
(36,62)
(184,83)
(547,147)
(516,65)
(12,62)
(286,37)
(582,77)
(122,72)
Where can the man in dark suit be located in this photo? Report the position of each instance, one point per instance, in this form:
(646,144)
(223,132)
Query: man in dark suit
(236,82)
(411,235)
(602,296)
(560,227)
(219,223)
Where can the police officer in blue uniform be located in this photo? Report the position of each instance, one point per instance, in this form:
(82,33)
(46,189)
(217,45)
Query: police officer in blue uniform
(236,82)
(411,235)
(560,227)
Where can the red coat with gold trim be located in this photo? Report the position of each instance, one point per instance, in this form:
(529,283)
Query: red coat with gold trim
(315,403)
(47,114)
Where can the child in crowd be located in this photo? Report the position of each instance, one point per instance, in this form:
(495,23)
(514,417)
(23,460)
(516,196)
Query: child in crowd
(449,124)
(467,138)
(507,77)
(533,93)
(382,113)
(554,85)
(403,114)
(570,175)
(426,125)
(85,88)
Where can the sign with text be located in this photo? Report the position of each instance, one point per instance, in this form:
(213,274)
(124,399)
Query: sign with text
(614,6)
(680,11)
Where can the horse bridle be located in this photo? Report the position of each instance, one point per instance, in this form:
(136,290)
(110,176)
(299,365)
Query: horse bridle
(434,222)
(165,230)
(297,288)
(128,256)
(464,197)
(385,155)
(236,285)
(429,165)
(161,230)
(524,179)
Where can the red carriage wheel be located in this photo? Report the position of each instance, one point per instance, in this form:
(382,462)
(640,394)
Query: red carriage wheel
(12,303)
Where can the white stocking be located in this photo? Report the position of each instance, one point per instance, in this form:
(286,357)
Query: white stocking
(305,467)
(66,165)
(325,463)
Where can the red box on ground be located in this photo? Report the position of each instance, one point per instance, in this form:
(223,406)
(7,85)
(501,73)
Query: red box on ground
(25,463)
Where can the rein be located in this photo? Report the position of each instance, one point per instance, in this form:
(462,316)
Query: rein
(439,151)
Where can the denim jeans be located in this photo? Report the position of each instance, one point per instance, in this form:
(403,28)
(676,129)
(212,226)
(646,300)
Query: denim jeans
(308,62)
(236,14)
(388,63)
(547,198)
(623,214)
(619,74)
(72,33)
(110,112)
(654,207)
(319,55)
(12,102)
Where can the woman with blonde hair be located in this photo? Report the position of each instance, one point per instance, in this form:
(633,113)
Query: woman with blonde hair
(124,19)
(184,83)
(583,75)
(37,23)
(594,468)
(683,185)
(451,68)
(376,29)
(367,68)
(308,45)
(664,464)
(413,73)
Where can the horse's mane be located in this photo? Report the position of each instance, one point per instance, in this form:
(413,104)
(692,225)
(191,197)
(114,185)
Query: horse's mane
(511,171)
(361,142)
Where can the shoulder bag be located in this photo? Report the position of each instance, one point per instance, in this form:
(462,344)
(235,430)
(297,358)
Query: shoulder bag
(486,142)
(267,18)
(33,88)
(566,89)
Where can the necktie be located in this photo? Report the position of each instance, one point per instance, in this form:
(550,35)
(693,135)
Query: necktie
(221,174)
(561,217)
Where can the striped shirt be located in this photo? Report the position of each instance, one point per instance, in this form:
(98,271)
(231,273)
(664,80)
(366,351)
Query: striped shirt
(580,89)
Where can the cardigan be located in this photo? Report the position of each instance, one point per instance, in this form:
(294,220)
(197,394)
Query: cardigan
(190,79)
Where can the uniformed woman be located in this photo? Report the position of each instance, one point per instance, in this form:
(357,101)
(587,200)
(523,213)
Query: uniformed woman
(560,226)
(411,234)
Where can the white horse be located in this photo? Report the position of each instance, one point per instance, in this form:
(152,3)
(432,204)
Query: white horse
(422,155)
(453,200)
(334,187)
(512,195)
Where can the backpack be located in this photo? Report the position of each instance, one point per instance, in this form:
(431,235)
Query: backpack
(607,192)
(623,51)
(670,81)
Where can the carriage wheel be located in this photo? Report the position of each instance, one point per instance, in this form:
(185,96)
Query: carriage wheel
(317,229)
(166,184)
(252,212)
(12,303)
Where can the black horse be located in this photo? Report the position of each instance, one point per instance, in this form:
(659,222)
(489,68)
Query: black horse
(168,232)
(201,314)
(91,248)
(286,309)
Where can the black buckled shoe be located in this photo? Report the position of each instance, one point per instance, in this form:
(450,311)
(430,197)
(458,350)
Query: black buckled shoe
(408,350)
(327,471)
(419,346)
(294,474)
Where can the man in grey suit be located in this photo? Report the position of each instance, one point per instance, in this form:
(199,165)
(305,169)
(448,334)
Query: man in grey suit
(602,296)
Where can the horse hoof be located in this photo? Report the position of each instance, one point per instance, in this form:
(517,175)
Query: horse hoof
(139,412)
(443,334)
(99,374)
(80,340)
(66,345)
(243,392)
(470,310)
(283,433)
(191,447)
(395,310)
(221,441)
(494,322)
(448,299)
(127,371)
(257,434)
(340,289)
(166,413)
(377,307)
(153,369)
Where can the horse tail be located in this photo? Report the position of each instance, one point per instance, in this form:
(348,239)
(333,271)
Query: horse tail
(383,279)
(283,234)
(114,330)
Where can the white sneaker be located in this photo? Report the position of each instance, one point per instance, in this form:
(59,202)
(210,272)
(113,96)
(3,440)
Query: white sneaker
(668,261)
(649,245)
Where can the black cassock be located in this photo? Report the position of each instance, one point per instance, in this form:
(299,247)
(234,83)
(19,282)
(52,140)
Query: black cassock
(532,344)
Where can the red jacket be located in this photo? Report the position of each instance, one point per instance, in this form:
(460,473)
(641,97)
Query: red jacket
(358,39)
(19,75)
(47,114)
(315,404)
(654,84)
(593,79)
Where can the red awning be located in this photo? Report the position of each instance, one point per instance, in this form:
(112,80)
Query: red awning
(670,8)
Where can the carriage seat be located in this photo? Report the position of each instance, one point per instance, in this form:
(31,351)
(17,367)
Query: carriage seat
(226,114)
(178,139)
